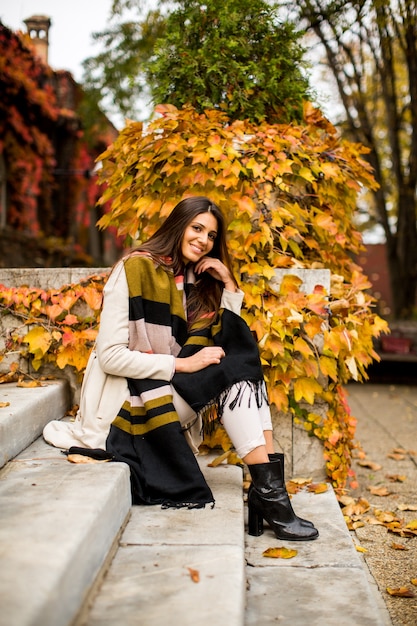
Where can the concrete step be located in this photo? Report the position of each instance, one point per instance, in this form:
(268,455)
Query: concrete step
(58,523)
(151,574)
(183,565)
(327,582)
(29,409)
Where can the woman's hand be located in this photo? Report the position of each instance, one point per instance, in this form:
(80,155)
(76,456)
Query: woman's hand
(218,270)
(200,360)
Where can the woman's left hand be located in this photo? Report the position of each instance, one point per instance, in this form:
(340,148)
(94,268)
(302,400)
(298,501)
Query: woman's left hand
(218,270)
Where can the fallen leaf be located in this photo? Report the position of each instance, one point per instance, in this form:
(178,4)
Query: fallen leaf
(317,487)
(29,383)
(407,507)
(293,488)
(396,478)
(373,521)
(194,574)
(357,507)
(4,404)
(412,525)
(379,491)
(218,460)
(9,377)
(82,459)
(373,466)
(398,546)
(396,456)
(385,516)
(401,592)
(360,549)
(399,451)
(413,581)
(301,481)
(280,553)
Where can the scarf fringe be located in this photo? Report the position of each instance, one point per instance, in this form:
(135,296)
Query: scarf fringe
(212,413)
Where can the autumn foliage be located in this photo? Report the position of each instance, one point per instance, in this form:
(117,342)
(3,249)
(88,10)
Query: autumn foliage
(289,195)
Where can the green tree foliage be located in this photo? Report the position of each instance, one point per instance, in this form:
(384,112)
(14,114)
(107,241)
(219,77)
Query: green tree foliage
(233,55)
(237,56)
(371,50)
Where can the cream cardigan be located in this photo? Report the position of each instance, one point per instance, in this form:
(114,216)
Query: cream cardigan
(104,387)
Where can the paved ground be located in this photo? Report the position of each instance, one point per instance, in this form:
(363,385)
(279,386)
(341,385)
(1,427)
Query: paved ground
(386,499)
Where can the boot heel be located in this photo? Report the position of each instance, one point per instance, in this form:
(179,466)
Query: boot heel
(255,523)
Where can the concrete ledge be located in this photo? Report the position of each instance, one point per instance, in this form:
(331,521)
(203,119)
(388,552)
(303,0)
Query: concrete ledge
(29,410)
(325,583)
(47,278)
(58,522)
(149,581)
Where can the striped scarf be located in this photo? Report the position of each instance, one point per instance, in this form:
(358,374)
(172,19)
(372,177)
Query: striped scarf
(147,433)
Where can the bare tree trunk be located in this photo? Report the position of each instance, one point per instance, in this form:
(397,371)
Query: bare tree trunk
(371,49)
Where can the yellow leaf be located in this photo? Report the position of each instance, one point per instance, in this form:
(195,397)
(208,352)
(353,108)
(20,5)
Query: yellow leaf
(306,388)
(328,367)
(412,525)
(317,487)
(289,284)
(4,404)
(218,460)
(29,383)
(39,341)
(280,553)
(360,549)
(301,346)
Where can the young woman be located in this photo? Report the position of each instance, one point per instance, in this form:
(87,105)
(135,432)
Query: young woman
(172,351)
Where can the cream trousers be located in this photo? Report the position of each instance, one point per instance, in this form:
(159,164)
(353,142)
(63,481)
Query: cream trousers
(245,423)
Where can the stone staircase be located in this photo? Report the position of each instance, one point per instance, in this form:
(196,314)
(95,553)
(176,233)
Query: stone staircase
(74,552)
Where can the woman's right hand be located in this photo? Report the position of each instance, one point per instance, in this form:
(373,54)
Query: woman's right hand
(200,360)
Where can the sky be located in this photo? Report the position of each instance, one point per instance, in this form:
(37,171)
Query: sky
(70,35)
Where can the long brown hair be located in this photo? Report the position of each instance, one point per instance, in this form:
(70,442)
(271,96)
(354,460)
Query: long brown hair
(166,244)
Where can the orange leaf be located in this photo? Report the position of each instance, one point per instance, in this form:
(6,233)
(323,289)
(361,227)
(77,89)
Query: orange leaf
(280,553)
(194,574)
(373,466)
(401,592)
(93,297)
(317,487)
(398,546)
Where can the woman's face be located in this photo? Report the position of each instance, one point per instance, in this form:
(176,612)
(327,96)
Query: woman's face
(199,237)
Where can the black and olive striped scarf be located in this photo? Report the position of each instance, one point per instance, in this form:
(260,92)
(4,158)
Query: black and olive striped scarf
(147,433)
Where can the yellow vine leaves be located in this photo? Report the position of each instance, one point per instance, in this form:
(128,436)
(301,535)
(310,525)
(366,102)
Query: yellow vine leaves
(55,327)
(288,193)
(289,196)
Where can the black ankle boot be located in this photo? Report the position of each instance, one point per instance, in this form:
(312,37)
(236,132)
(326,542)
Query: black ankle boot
(278,456)
(269,500)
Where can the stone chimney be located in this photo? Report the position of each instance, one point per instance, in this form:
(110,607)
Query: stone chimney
(38,29)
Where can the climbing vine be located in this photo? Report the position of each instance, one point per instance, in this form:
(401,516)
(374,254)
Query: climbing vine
(289,195)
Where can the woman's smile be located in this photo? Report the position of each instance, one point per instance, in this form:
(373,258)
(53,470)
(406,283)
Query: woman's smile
(199,236)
